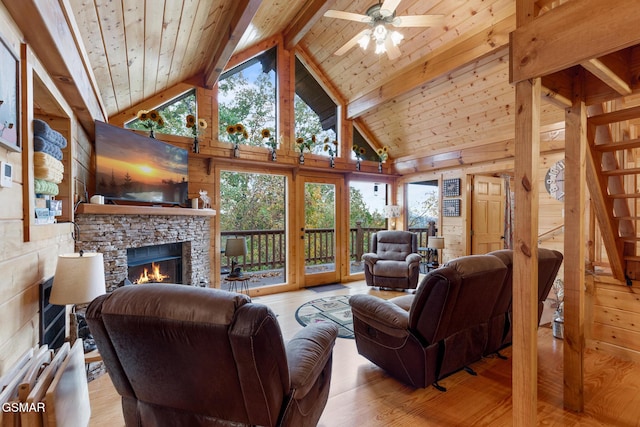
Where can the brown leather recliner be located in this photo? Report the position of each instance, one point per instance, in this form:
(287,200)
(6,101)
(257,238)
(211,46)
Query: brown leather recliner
(445,328)
(393,261)
(184,356)
(500,325)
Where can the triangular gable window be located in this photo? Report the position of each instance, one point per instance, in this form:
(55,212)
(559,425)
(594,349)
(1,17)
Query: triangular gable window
(174,113)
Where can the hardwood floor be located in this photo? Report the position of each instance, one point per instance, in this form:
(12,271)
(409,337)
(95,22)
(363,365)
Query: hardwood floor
(363,395)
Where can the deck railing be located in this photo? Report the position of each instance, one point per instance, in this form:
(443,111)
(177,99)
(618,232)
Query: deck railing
(266,249)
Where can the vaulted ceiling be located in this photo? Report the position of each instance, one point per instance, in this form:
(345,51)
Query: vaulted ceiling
(449,90)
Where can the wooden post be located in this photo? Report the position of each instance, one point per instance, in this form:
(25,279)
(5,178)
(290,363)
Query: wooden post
(525,274)
(574,249)
(359,241)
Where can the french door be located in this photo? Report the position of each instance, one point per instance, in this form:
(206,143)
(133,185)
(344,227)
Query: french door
(320,236)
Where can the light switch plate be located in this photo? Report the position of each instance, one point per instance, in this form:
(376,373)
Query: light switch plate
(6,179)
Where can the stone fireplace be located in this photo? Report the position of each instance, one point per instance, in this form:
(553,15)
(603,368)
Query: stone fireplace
(155,264)
(153,234)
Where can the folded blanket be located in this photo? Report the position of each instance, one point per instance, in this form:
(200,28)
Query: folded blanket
(47,174)
(42,145)
(42,129)
(45,187)
(45,160)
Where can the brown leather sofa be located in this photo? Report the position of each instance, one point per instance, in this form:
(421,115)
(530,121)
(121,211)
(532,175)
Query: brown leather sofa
(445,328)
(393,261)
(500,325)
(188,356)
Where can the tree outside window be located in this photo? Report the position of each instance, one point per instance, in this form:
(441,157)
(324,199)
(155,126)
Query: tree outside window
(247,95)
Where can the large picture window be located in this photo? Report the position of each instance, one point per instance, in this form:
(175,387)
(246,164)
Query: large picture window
(174,113)
(247,95)
(315,113)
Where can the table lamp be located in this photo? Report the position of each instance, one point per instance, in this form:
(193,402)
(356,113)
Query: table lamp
(236,246)
(433,244)
(392,212)
(79,279)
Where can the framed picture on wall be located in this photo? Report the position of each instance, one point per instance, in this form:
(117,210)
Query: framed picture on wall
(9,136)
(451,207)
(451,187)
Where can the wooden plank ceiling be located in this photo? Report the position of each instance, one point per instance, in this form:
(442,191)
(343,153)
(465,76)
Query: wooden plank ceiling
(448,91)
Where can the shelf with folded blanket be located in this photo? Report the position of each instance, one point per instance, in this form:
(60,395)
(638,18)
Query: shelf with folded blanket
(49,205)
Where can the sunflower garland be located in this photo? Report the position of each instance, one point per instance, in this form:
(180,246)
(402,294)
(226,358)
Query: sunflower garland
(270,139)
(195,125)
(237,132)
(150,119)
(383,153)
(302,145)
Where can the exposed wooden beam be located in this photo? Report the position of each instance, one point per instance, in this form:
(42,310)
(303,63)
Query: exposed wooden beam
(574,249)
(613,70)
(489,153)
(441,61)
(548,44)
(306,18)
(525,253)
(51,38)
(229,39)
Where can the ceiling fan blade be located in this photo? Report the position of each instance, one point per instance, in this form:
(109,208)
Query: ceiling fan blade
(351,43)
(347,15)
(418,21)
(389,6)
(393,51)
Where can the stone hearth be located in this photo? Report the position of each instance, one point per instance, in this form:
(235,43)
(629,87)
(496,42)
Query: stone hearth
(112,230)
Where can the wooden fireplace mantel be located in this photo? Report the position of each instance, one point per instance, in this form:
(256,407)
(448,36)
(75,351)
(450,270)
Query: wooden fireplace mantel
(90,208)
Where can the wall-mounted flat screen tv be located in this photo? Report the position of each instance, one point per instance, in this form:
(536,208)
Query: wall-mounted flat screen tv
(136,168)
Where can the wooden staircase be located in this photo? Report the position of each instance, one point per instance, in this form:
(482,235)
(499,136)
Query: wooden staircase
(613,168)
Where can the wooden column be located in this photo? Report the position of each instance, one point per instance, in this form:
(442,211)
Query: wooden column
(574,248)
(525,265)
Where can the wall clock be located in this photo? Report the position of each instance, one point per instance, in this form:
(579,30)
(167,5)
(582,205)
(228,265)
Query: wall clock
(451,187)
(554,180)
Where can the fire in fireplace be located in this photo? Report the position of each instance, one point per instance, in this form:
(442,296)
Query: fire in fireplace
(155,264)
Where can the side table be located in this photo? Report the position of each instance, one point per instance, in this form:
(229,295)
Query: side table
(242,281)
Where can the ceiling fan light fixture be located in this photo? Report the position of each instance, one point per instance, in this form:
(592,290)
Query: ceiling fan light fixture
(380,48)
(380,33)
(364,40)
(396,37)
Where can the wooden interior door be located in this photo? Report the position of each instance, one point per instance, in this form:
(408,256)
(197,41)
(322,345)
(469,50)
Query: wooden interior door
(487,214)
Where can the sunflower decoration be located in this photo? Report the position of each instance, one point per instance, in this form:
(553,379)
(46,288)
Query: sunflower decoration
(383,153)
(270,140)
(195,125)
(150,119)
(237,132)
(331,147)
(359,152)
(302,144)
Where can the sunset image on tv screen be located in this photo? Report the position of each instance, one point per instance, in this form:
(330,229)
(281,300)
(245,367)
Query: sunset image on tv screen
(140,168)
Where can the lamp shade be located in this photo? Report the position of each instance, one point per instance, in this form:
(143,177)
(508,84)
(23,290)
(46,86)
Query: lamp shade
(236,246)
(79,278)
(391,211)
(435,242)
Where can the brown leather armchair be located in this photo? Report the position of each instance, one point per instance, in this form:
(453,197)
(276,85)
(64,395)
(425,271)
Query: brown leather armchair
(393,261)
(500,325)
(184,356)
(445,328)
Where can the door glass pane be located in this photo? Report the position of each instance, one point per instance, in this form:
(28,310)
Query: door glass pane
(423,209)
(253,207)
(319,234)
(366,216)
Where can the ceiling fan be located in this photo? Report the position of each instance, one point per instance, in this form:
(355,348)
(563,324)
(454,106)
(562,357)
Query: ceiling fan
(378,17)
